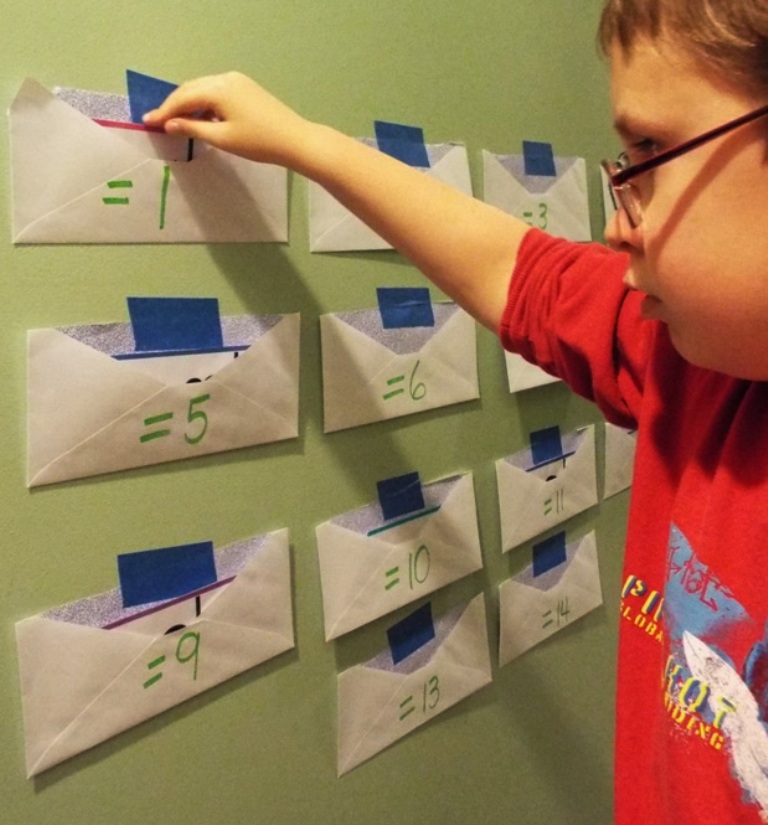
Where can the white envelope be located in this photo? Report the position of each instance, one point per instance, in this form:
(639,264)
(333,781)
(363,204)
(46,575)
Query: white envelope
(533,499)
(64,163)
(532,608)
(374,374)
(522,375)
(559,205)
(88,413)
(370,567)
(333,228)
(619,458)
(82,683)
(380,702)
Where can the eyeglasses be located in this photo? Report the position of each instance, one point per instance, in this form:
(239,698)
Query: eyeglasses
(620,172)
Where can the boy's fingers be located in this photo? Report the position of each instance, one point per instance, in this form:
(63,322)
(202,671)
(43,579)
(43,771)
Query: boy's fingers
(188,99)
(191,127)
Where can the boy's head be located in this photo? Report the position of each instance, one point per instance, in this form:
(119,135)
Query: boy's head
(697,245)
(729,36)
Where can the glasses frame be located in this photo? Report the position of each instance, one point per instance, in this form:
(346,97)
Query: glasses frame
(620,175)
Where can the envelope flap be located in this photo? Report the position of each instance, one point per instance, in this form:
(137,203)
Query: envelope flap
(214,421)
(532,609)
(334,228)
(170,670)
(62,372)
(37,117)
(260,596)
(109,404)
(451,166)
(85,659)
(377,705)
(272,359)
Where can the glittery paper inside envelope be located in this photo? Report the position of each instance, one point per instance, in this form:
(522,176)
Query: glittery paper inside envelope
(371,373)
(76,180)
(92,669)
(370,566)
(97,404)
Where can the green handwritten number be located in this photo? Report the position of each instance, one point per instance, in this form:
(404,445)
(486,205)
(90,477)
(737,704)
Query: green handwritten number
(419,572)
(431,694)
(542,216)
(199,416)
(164,194)
(417,391)
(191,653)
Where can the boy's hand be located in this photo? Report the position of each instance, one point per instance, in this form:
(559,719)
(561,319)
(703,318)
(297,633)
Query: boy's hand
(232,112)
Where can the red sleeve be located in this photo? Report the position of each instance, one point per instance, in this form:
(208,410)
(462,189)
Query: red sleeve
(569,312)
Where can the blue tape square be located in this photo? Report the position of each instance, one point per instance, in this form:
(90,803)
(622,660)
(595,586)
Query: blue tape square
(405,307)
(546,446)
(411,633)
(549,553)
(145,93)
(176,324)
(406,143)
(400,495)
(166,573)
(539,159)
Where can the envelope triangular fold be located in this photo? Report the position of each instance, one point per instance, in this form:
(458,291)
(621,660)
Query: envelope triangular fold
(522,375)
(64,164)
(559,205)
(83,682)
(620,446)
(379,703)
(369,568)
(532,608)
(365,379)
(333,228)
(534,499)
(89,413)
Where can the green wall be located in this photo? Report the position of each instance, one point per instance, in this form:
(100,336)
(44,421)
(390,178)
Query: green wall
(535,746)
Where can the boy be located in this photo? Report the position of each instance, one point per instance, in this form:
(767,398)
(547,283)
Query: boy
(667,331)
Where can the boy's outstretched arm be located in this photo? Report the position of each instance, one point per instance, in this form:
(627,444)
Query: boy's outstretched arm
(467,248)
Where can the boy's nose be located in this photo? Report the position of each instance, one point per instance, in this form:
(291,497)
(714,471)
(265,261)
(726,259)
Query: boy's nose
(620,234)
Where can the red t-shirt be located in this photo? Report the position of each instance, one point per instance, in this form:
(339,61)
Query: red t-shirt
(692,703)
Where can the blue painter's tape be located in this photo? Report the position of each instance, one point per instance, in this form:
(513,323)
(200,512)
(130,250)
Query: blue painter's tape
(165,573)
(411,633)
(406,143)
(548,554)
(400,495)
(145,93)
(539,159)
(546,446)
(405,307)
(175,325)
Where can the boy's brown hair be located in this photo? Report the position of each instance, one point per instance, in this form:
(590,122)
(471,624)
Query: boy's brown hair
(729,37)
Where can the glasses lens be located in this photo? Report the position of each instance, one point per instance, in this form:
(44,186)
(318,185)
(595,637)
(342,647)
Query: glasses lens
(627,195)
(624,195)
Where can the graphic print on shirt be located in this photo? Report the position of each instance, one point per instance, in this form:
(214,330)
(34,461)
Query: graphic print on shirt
(708,692)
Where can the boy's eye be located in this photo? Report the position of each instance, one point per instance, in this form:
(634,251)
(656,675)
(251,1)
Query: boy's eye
(641,150)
